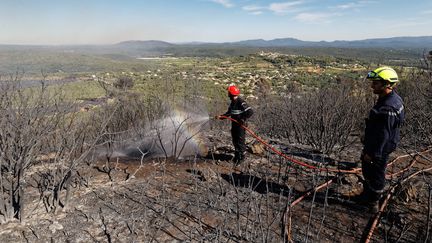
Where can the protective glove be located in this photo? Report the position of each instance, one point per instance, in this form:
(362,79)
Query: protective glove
(219,117)
(242,122)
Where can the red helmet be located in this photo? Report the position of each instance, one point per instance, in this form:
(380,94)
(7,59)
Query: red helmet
(233,90)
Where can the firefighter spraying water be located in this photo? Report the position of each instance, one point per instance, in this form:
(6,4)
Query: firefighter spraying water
(239,111)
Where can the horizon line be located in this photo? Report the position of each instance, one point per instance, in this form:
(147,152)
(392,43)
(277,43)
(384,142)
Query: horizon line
(205,42)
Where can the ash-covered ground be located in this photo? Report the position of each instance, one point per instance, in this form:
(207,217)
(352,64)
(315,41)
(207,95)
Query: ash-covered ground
(208,199)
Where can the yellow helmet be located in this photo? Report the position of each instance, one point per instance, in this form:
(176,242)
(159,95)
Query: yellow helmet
(384,73)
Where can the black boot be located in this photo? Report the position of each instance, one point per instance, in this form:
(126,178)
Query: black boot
(370,199)
(374,207)
(363,198)
(239,157)
(236,157)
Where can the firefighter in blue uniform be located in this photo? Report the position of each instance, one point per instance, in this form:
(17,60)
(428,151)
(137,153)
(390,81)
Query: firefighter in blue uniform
(381,134)
(240,111)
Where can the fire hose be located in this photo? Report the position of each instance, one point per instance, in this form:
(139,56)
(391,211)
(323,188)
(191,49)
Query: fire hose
(287,219)
(290,158)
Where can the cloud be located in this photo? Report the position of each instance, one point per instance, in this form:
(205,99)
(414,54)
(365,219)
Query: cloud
(347,6)
(225,3)
(251,8)
(313,17)
(277,8)
(285,7)
(254,9)
(354,5)
(426,12)
(256,13)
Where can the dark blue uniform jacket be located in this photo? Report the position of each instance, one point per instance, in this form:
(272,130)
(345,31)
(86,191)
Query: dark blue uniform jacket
(382,126)
(239,110)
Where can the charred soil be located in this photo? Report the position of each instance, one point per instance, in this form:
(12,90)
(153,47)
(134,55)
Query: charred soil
(211,200)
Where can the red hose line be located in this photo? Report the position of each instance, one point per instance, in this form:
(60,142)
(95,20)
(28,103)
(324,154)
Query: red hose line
(291,159)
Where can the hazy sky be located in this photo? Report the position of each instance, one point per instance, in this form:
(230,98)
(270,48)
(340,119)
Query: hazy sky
(112,21)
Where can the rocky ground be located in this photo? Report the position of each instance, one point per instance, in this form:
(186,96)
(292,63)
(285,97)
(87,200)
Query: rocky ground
(211,200)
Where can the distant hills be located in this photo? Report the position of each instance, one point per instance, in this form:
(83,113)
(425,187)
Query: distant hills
(393,42)
(401,48)
(138,48)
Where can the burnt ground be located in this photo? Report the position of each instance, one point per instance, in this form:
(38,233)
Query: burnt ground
(211,200)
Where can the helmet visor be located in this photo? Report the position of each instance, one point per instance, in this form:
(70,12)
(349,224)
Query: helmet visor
(373,75)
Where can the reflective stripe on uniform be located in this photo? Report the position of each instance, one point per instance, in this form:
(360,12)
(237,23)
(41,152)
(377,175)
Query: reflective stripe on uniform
(400,110)
(236,112)
(385,111)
